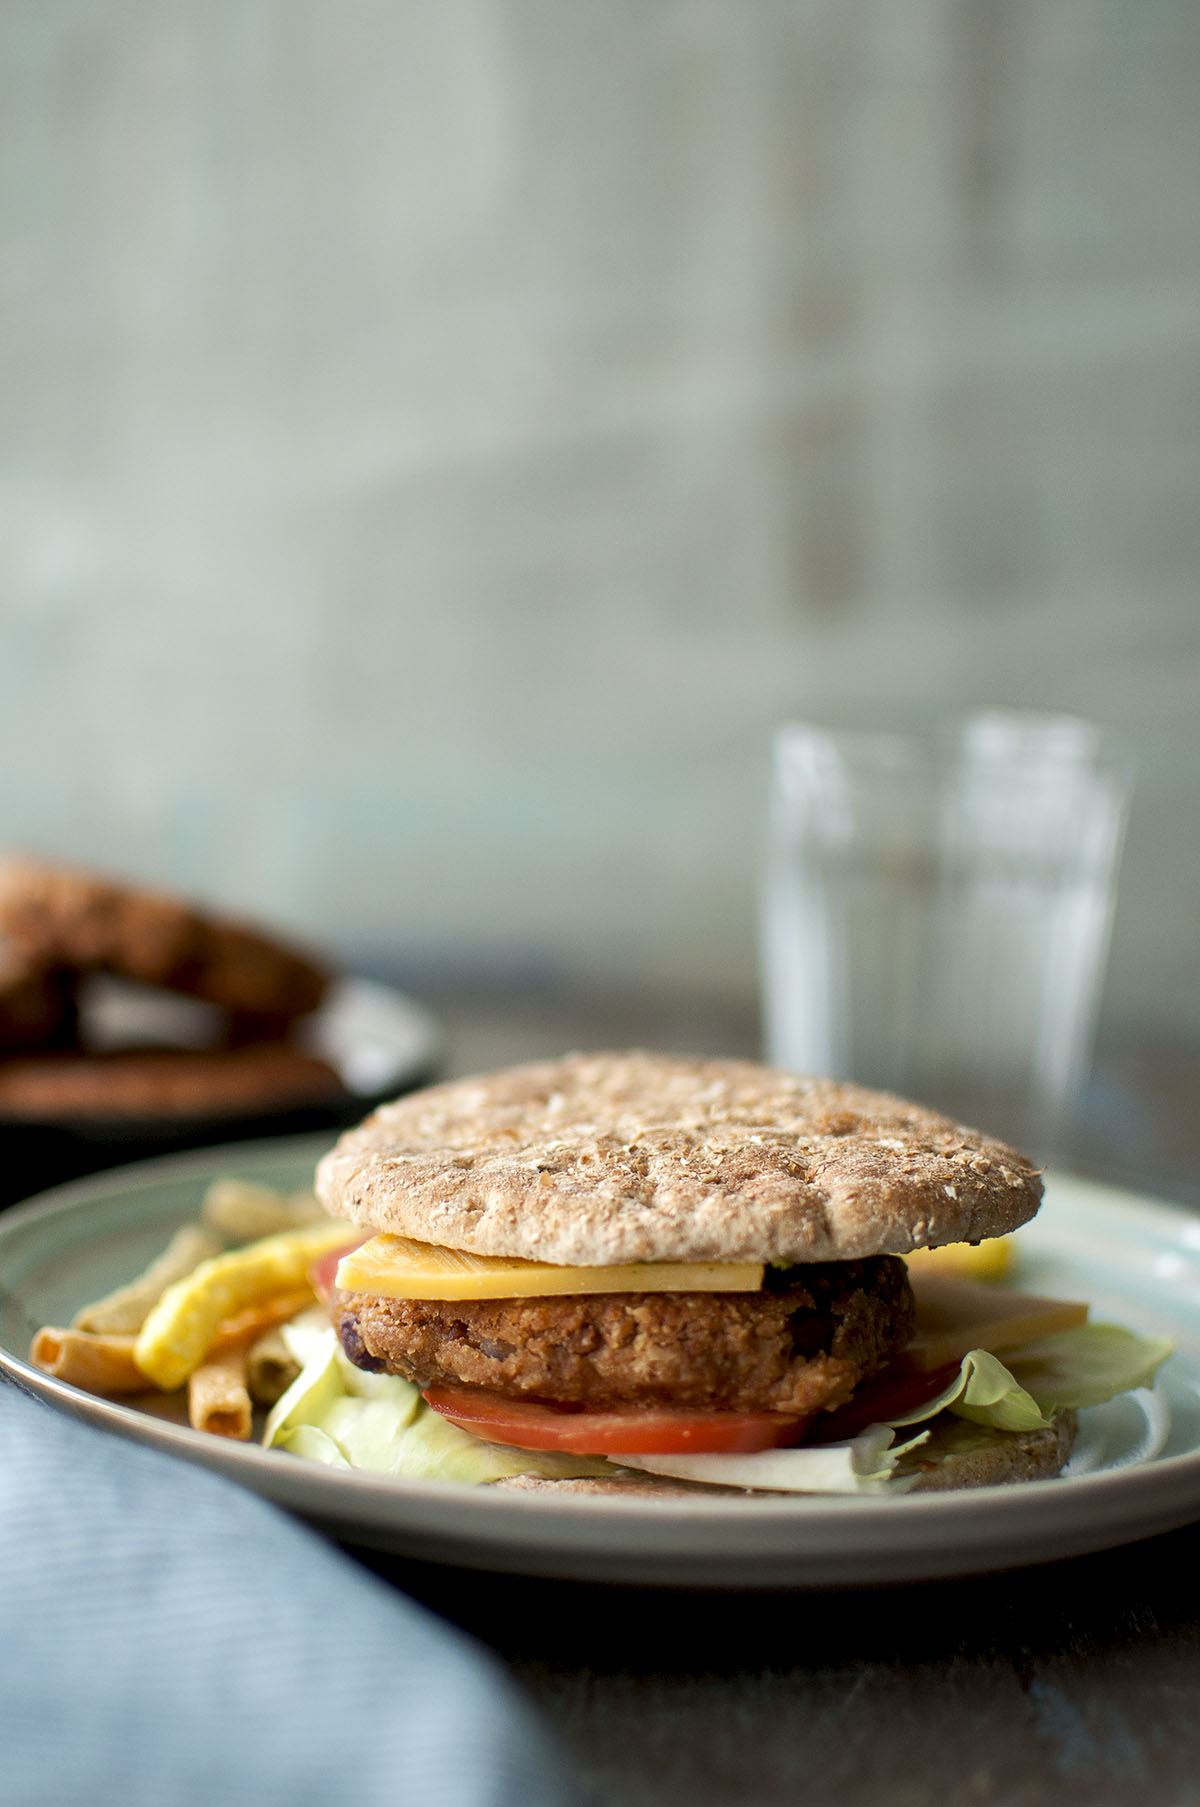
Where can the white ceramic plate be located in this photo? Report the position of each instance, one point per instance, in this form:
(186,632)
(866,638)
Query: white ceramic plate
(1136,1470)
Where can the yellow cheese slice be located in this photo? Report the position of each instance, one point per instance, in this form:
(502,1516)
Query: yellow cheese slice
(989,1260)
(397,1267)
(955,1315)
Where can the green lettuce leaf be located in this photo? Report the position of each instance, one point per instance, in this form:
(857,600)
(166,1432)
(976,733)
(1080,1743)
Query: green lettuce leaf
(1072,1368)
(306,1440)
(984,1391)
(336,1413)
(1088,1365)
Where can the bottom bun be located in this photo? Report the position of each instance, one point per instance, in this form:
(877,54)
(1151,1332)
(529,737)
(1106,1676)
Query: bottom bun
(622,1480)
(961,1454)
(955,1454)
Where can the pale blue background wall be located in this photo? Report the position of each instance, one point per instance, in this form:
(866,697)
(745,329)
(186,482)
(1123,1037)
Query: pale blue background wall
(439,441)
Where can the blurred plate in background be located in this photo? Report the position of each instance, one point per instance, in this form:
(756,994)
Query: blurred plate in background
(377,1041)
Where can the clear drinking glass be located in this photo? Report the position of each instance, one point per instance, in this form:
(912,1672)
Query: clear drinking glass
(937,912)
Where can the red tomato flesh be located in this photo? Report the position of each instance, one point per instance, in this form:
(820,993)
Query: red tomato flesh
(323,1270)
(531,1424)
(894,1393)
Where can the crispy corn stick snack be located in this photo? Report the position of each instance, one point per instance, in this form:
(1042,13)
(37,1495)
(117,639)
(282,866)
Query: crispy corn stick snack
(247,1325)
(270,1368)
(105,1363)
(218,1401)
(242,1212)
(125,1310)
(181,1328)
(97,1364)
(220,1398)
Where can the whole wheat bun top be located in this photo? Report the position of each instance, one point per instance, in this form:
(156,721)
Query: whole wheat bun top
(602,1159)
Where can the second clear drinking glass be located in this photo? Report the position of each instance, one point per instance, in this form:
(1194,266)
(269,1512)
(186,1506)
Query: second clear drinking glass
(937,912)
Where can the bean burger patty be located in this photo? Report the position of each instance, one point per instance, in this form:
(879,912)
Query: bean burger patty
(802,1345)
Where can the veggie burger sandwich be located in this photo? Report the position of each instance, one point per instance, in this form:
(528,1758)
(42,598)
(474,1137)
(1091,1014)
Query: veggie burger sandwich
(597,1270)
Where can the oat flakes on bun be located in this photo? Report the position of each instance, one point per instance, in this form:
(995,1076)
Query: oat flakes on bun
(689,1266)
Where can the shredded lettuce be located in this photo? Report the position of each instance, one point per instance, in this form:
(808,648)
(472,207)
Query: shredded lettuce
(306,1440)
(336,1413)
(863,1465)
(305,1334)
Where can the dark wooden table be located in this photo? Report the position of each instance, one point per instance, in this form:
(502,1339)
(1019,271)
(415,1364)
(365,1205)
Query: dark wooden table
(1079,1679)
(1076,1680)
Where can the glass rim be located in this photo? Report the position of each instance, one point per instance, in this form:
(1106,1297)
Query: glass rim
(1004,738)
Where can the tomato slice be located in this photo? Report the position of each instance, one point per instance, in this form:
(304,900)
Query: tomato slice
(323,1270)
(634,1431)
(898,1390)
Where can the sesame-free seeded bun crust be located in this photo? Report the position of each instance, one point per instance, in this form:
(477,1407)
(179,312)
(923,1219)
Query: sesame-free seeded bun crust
(599,1159)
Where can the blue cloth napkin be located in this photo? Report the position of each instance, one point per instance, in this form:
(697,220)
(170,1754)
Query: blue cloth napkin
(169,1640)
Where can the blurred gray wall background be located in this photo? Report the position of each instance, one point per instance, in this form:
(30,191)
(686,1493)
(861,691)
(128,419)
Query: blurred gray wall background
(440,441)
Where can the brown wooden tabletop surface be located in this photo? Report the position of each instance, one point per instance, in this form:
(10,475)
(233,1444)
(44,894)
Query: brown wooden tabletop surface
(1075,1680)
